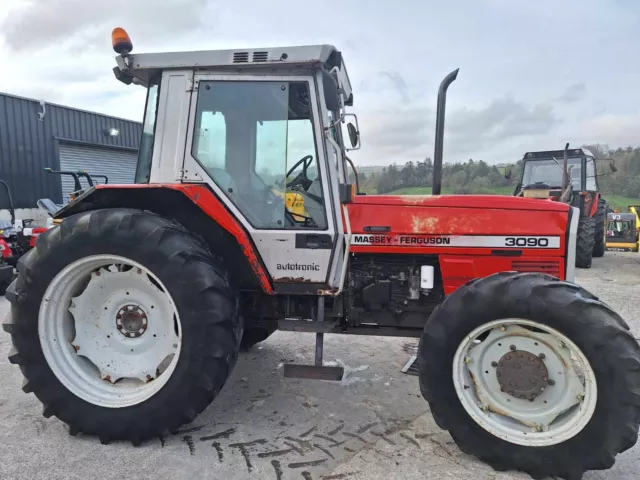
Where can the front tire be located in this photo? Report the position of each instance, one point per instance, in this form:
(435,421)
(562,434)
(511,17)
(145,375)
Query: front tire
(167,295)
(585,242)
(602,424)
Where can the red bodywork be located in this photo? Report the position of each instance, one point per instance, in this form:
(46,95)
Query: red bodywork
(214,208)
(454,215)
(5,249)
(34,235)
(485,215)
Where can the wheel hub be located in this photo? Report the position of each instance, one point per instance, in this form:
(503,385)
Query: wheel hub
(522,374)
(502,376)
(131,321)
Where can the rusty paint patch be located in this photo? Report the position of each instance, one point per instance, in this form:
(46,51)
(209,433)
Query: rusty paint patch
(416,199)
(330,291)
(424,223)
(292,280)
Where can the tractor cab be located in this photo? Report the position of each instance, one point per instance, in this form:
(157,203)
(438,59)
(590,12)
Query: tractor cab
(547,168)
(263,129)
(569,176)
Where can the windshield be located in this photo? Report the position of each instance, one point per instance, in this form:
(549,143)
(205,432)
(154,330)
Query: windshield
(623,229)
(256,140)
(550,172)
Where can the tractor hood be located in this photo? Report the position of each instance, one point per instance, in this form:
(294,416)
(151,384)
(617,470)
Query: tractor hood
(459,224)
(471,235)
(502,202)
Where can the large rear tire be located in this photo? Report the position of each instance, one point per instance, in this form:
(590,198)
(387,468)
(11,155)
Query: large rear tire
(167,300)
(585,242)
(491,330)
(599,246)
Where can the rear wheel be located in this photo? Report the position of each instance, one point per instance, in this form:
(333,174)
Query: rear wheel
(123,324)
(600,229)
(585,242)
(530,373)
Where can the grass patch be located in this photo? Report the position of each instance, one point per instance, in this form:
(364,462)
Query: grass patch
(620,203)
(449,191)
(617,202)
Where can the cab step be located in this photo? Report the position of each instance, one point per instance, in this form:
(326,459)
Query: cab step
(319,327)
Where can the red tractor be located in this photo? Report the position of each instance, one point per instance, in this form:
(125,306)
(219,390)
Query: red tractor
(571,177)
(127,318)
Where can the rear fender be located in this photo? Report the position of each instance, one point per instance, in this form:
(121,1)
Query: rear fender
(199,210)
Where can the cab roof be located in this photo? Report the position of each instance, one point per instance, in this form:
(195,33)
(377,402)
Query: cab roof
(572,153)
(144,66)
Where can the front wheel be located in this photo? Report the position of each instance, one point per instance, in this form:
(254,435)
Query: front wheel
(530,373)
(123,324)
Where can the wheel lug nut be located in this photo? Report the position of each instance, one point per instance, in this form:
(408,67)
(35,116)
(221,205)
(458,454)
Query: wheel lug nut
(542,356)
(467,360)
(551,381)
(513,383)
(494,364)
(512,347)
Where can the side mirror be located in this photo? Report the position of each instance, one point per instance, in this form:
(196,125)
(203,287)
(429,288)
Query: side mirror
(331,95)
(353,134)
(507,174)
(612,166)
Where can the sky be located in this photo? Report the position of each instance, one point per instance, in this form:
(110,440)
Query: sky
(533,75)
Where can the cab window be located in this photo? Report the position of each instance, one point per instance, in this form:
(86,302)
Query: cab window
(256,141)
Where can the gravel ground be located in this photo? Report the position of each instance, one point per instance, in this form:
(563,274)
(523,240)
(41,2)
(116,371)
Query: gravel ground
(373,425)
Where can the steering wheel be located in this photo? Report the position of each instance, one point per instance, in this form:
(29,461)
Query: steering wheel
(301,178)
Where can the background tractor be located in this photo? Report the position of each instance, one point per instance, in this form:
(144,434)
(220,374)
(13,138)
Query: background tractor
(569,176)
(622,232)
(127,318)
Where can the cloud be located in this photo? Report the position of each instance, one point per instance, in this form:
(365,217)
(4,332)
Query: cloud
(36,24)
(399,131)
(574,93)
(615,130)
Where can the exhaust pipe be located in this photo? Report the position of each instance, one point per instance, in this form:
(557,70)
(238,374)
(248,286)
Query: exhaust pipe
(439,142)
(12,210)
(565,166)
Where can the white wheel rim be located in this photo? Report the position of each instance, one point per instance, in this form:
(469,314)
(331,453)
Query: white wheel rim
(109,331)
(551,412)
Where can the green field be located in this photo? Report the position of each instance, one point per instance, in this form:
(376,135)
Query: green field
(449,191)
(620,203)
(616,202)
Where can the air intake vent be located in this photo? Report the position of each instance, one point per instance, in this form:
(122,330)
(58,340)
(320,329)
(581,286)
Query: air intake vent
(241,57)
(260,56)
(548,267)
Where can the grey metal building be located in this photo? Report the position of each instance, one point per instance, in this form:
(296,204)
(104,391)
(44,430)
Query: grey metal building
(35,135)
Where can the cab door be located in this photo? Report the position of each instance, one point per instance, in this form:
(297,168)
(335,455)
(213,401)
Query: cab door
(259,143)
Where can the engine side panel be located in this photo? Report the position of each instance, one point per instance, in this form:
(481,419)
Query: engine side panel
(446,230)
